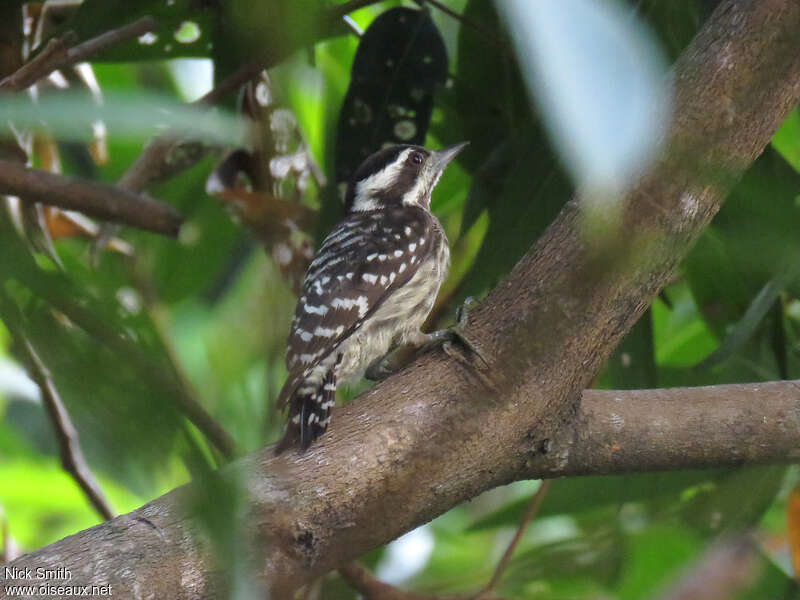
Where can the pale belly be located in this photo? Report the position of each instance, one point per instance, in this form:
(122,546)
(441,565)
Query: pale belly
(396,321)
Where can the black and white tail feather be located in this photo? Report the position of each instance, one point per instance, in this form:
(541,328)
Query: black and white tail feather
(370,286)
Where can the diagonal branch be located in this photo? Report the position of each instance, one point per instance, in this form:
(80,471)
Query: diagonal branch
(69,447)
(58,54)
(106,202)
(530,512)
(433,435)
(371,588)
(72,459)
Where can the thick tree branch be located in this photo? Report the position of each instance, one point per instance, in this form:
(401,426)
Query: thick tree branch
(106,202)
(433,435)
(677,428)
(613,432)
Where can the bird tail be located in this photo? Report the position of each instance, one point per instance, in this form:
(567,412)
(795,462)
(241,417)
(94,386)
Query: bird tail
(309,412)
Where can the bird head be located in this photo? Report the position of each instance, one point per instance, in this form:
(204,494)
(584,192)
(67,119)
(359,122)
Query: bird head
(398,175)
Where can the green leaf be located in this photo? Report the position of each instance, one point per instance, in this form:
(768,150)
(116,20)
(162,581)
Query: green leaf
(735,501)
(43,503)
(592,559)
(103,360)
(680,334)
(653,558)
(787,139)
(633,364)
(522,189)
(186,29)
(134,115)
(747,325)
(579,494)
(773,583)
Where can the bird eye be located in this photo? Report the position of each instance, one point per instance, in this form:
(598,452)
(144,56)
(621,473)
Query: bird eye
(417,158)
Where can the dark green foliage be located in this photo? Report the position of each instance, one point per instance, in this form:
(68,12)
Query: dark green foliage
(187,27)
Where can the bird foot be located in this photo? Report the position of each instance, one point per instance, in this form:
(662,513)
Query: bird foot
(446,339)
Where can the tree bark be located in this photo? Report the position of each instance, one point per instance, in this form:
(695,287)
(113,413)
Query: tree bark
(440,432)
(99,200)
(156,550)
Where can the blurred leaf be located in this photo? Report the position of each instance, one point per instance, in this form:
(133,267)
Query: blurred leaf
(134,115)
(487,100)
(272,29)
(740,267)
(578,494)
(787,139)
(523,189)
(597,75)
(654,557)
(595,558)
(680,334)
(633,364)
(43,503)
(747,325)
(180,270)
(793,527)
(516,178)
(735,501)
(218,504)
(752,240)
(773,583)
(458,564)
(96,350)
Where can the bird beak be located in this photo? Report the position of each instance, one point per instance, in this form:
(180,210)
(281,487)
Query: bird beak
(441,157)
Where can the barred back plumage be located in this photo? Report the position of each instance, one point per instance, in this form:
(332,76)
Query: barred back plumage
(369,288)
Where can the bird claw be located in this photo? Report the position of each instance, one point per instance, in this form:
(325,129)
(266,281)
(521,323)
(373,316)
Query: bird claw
(462,312)
(446,339)
(381,368)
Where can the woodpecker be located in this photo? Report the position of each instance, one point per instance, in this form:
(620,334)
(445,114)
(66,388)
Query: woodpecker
(370,286)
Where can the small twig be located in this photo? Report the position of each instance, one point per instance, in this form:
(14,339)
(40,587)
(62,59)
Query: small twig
(152,164)
(57,54)
(530,512)
(164,156)
(187,395)
(365,583)
(487,34)
(106,202)
(72,459)
(161,376)
(231,83)
(33,70)
(337,12)
(111,38)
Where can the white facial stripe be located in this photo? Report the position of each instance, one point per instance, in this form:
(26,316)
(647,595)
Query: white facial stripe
(383,179)
(421,192)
